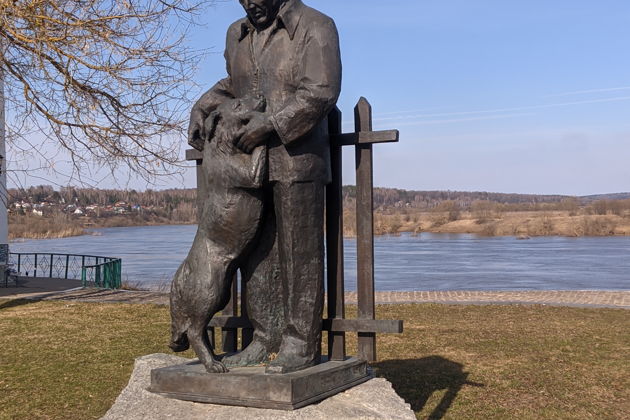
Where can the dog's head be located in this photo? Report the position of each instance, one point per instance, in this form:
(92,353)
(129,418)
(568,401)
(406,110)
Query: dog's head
(232,115)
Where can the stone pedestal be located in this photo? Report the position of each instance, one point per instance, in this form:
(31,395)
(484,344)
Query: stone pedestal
(371,400)
(251,387)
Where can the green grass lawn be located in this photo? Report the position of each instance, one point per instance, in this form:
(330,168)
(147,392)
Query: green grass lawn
(70,360)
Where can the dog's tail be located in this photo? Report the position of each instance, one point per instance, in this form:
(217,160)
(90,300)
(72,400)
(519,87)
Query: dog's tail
(179,342)
(179,321)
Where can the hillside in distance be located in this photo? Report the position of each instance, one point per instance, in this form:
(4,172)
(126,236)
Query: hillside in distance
(611,196)
(43,212)
(383,197)
(430,199)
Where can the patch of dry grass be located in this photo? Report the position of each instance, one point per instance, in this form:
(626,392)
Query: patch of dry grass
(517,362)
(35,227)
(523,223)
(64,360)
(70,360)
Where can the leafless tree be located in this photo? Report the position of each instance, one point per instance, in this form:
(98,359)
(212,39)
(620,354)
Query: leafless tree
(106,82)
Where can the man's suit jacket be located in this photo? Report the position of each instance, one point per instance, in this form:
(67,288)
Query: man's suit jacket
(298,71)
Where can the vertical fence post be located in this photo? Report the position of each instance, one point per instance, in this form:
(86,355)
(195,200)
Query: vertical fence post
(84,276)
(67,264)
(201,185)
(35,267)
(19,262)
(107,278)
(119,273)
(230,335)
(247,334)
(52,257)
(334,242)
(365,229)
(211,337)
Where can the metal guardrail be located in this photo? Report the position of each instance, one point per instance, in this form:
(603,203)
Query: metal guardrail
(92,270)
(106,274)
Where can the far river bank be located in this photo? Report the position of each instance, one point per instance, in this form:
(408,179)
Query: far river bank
(521,225)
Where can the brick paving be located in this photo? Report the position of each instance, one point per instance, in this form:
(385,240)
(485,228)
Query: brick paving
(610,299)
(585,298)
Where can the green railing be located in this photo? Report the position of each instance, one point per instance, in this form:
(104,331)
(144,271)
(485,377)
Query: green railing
(92,270)
(107,274)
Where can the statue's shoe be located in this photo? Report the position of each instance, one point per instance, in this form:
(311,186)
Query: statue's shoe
(290,363)
(254,354)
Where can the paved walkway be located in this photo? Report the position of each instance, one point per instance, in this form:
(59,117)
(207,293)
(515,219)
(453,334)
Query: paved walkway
(36,286)
(604,299)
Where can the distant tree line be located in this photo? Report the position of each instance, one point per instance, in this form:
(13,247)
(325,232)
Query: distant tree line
(482,204)
(102,197)
(385,197)
(151,206)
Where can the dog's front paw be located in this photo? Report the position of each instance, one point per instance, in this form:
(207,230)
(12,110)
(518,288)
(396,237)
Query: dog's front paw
(217,367)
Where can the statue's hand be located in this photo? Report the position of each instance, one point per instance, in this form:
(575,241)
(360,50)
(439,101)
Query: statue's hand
(195,130)
(255,133)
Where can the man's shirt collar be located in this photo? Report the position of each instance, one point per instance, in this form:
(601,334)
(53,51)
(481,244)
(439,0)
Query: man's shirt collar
(288,18)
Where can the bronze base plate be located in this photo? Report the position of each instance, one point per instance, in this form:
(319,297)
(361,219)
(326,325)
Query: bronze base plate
(251,387)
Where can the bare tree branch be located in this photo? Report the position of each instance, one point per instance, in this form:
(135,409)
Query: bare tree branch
(106,81)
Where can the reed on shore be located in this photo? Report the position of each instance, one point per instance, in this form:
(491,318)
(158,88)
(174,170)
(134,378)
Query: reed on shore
(517,224)
(61,225)
(488,218)
(29,226)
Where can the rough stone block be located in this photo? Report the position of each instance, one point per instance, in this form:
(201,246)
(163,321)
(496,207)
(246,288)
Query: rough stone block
(374,399)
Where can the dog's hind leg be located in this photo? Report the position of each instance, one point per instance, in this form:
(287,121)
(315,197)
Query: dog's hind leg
(207,291)
(198,337)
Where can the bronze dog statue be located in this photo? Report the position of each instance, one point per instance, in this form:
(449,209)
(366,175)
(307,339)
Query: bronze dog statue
(228,225)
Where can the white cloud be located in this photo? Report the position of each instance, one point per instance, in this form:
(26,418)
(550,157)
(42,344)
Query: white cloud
(421,119)
(584,92)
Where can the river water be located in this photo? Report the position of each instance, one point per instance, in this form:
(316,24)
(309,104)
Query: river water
(151,254)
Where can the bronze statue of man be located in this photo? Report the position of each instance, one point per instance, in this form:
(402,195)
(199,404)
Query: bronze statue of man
(287,53)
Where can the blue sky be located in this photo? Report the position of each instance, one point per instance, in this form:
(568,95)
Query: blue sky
(526,96)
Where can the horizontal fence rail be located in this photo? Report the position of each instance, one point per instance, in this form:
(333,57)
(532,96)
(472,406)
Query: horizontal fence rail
(92,270)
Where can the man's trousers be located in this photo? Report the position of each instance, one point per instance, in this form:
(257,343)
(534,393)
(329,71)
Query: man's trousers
(284,274)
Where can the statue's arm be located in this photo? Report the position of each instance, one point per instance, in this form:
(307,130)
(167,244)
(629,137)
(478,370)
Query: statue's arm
(210,100)
(318,87)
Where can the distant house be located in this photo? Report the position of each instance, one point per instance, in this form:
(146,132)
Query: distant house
(78,211)
(38,212)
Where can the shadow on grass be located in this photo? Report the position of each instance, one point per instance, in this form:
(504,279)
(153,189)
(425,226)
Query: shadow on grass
(415,380)
(15,302)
